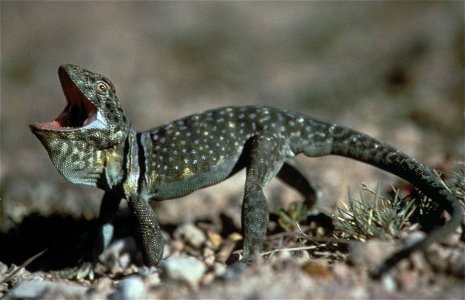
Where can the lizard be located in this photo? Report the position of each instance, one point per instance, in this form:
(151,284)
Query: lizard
(92,142)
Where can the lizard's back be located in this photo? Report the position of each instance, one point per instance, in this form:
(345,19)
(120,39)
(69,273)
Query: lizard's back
(203,149)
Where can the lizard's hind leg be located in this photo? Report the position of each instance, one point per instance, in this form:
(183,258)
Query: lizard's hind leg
(150,236)
(292,176)
(266,156)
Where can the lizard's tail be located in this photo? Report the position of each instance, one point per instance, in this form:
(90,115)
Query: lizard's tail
(349,143)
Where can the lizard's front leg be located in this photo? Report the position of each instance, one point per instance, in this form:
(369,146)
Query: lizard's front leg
(108,210)
(149,230)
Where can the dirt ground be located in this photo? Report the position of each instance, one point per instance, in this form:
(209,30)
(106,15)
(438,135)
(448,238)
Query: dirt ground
(391,69)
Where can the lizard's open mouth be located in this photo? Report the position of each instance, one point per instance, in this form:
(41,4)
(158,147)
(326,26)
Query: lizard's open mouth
(79,111)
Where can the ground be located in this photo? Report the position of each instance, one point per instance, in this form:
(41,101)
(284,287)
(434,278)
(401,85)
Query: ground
(393,70)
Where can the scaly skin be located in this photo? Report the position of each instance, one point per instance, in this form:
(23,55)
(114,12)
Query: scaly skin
(92,143)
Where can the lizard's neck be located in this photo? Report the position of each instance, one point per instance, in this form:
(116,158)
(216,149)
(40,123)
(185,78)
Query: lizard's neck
(81,159)
(116,165)
(78,161)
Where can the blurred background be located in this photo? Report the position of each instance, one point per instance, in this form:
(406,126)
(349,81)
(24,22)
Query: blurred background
(391,69)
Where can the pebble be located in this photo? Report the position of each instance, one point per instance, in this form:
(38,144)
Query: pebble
(103,284)
(185,269)
(191,235)
(389,283)
(342,271)
(219,269)
(45,288)
(152,279)
(208,256)
(131,287)
(448,260)
(100,289)
(119,250)
(358,293)
(414,238)
(318,269)
(215,239)
(368,255)
(3,268)
(208,278)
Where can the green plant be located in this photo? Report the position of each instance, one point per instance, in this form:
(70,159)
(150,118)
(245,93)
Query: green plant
(374,216)
(296,213)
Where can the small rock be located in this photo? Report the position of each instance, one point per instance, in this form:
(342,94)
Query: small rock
(208,278)
(358,293)
(166,251)
(282,256)
(457,263)
(131,270)
(317,268)
(146,270)
(176,247)
(103,284)
(448,260)
(215,239)
(301,258)
(191,235)
(131,287)
(3,268)
(414,238)
(407,281)
(125,260)
(152,279)
(45,289)
(185,269)
(389,283)
(451,240)
(224,254)
(219,269)
(418,261)
(234,270)
(370,254)
(341,271)
(20,276)
(118,253)
(235,237)
(208,256)
(100,289)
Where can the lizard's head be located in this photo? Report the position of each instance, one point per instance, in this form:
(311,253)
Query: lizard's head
(92,109)
(91,121)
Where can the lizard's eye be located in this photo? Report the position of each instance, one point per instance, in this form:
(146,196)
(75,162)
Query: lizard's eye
(102,87)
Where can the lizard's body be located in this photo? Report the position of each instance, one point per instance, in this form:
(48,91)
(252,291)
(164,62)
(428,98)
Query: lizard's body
(92,143)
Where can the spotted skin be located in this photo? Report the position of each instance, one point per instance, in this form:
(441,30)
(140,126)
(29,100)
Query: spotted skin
(204,149)
(92,143)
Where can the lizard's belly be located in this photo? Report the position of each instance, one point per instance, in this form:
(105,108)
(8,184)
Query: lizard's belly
(187,181)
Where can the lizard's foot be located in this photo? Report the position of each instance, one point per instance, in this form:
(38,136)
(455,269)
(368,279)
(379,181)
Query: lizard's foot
(236,268)
(84,271)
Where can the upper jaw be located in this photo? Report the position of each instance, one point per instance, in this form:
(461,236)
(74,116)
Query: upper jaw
(79,112)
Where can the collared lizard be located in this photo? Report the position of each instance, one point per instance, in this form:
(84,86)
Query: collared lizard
(92,142)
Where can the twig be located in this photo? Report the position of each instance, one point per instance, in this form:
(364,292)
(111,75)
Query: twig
(288,249)
(23,265)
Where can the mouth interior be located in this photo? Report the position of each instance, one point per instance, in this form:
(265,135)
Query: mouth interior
(78,112)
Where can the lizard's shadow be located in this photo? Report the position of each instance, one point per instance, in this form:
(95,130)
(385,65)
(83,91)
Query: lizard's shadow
(70,240)
(67,239)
